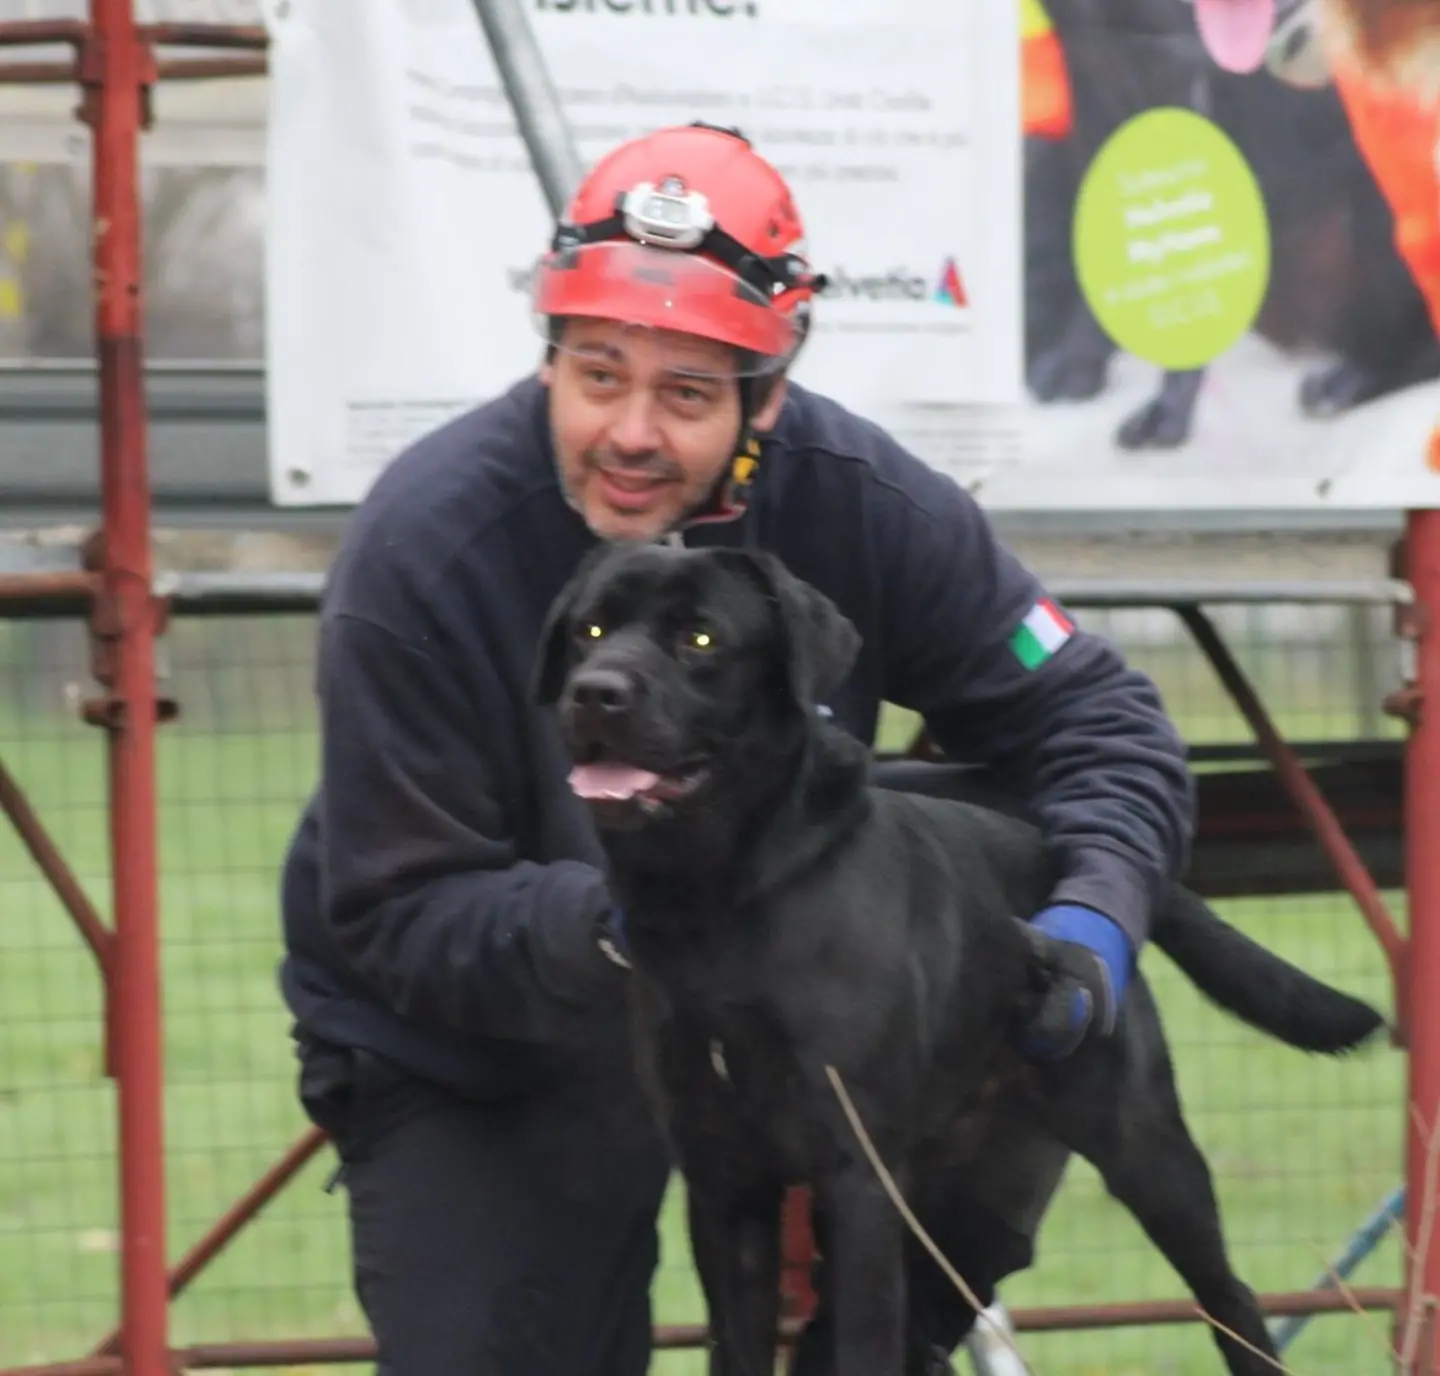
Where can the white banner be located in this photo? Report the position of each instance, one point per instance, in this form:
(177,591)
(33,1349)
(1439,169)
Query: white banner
(405,215)
(1188,330)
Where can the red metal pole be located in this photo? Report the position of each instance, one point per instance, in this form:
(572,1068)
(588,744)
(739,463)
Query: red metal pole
(34,33)
(73,898)
(797,1255)
(1307,797)
(116,69)
(309,1352)
(235,37)
(241,1213)
(62,584)
(1422,876)
(89,1366)
(15,806)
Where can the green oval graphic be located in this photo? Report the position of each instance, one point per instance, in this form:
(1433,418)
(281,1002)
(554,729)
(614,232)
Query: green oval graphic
(1171,239)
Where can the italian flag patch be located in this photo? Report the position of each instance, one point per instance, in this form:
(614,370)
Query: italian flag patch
(1043,631)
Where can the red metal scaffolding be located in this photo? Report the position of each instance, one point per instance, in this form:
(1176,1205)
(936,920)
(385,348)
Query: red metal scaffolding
(115,63)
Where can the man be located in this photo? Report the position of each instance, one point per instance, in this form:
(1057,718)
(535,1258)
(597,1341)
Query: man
(459,1021)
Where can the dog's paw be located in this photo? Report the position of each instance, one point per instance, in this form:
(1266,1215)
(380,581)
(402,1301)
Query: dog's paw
(1335,388)
(1159,424)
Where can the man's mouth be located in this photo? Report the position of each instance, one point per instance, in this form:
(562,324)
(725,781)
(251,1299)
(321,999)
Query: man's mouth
(631,490)
(611,781)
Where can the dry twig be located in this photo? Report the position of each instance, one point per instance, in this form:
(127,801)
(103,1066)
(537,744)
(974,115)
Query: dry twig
(1417,1297)
(955,1278)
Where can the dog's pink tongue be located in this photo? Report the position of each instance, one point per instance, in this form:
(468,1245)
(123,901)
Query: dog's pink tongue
(1236,32)
(611,780)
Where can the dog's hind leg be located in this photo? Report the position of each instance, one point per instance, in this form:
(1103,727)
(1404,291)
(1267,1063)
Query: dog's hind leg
(1167,1187)
(1134,1134)
(1341,386)
(736,1245)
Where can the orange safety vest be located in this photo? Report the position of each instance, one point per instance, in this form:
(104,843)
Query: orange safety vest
(1045,106)
(1399,137)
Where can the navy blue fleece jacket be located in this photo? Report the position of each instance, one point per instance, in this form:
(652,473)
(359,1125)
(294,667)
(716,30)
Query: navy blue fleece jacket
(441,889)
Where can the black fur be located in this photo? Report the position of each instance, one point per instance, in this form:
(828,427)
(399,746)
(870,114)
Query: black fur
(786,916)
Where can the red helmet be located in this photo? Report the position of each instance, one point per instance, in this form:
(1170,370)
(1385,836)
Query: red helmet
(685,229)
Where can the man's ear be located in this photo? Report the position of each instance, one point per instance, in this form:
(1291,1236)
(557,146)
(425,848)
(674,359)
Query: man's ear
(769,411)
(821,642)
(552,656)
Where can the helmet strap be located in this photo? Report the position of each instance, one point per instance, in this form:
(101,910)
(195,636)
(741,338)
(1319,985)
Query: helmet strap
(729,499)
(767,275)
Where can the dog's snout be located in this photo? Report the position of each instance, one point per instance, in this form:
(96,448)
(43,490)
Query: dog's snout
(605,692)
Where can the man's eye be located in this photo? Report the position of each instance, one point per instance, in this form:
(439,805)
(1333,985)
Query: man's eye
(689,397)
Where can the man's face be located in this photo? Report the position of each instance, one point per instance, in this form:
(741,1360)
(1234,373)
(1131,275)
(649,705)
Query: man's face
(644,423)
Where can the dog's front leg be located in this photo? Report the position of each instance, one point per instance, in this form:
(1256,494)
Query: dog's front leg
(865,1266)
(736,1245)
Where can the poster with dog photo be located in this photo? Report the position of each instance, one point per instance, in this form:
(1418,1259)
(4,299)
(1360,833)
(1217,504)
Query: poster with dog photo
(1232,256)
(1100,254)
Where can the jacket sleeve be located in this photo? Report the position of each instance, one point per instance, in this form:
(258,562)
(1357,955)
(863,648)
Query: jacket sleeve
(1080,735)
(420,880)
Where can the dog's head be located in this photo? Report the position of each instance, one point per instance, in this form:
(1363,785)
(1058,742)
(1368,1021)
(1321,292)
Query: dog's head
(680,675)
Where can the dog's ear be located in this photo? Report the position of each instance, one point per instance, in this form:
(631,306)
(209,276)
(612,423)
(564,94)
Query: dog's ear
(821,642)
(548,679)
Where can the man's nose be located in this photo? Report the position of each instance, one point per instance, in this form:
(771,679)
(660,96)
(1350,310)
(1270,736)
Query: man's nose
(601,694)
(634,429)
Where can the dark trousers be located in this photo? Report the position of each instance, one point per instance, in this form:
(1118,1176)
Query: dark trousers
(510,1239)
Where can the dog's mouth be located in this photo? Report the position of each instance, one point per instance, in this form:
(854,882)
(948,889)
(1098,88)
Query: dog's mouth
(614,781)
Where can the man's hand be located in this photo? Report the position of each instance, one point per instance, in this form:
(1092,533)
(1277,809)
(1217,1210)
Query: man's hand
(1083,964)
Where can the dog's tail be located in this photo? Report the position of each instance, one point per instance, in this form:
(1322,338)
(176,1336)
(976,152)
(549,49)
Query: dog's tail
(1256,985)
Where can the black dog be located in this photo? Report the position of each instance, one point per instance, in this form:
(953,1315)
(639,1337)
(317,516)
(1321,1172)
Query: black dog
(783,917)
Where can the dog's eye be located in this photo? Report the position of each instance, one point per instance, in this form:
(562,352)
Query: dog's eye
(699,638)
(592,632)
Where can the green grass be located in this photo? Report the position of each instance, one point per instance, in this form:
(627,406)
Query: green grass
(1302,1150)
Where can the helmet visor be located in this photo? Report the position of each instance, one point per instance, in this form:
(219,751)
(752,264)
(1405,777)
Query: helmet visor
(649,288)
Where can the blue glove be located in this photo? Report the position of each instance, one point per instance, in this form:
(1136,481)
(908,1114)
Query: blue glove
(612,937)
(1084,962)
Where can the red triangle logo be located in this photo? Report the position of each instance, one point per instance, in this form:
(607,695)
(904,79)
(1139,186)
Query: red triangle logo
(950,290)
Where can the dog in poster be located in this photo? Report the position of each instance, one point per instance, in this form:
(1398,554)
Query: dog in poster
(1343,288)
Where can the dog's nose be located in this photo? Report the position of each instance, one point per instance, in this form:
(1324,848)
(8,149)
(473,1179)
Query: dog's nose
(604,692)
